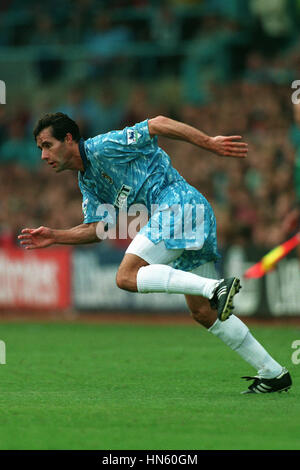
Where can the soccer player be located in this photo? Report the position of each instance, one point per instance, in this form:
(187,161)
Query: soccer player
(126,167)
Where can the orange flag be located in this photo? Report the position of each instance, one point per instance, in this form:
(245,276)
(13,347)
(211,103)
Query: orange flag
(268,262)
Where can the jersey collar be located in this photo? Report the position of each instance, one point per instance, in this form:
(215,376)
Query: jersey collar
(83,154)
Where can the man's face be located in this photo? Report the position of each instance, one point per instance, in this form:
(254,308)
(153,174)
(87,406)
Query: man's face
(56,153)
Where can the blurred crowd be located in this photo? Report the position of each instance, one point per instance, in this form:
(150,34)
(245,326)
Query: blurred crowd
(117,21)
(185,35)
(252,198)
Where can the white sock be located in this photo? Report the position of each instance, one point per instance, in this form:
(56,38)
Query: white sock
(237,336)
(256,355)
(163,278)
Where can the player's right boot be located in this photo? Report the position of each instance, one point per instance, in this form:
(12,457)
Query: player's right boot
(222,300)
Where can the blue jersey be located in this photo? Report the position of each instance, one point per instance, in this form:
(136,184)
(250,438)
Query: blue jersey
(128,159)
(127,167)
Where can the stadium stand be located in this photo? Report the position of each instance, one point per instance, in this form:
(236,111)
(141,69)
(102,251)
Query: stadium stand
(216,65)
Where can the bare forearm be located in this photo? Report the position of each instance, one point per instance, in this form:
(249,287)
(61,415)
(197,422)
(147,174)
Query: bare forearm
(166,127)
(81,234)
(42,237)
(220,145)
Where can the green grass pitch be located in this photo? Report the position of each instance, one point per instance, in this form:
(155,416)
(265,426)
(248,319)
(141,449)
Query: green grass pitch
(97,386)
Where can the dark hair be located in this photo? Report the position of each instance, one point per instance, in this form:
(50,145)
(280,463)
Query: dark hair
(61,124)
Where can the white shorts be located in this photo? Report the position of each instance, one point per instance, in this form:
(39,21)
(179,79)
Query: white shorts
(158,254)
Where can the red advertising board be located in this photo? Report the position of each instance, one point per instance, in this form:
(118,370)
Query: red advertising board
(35,279)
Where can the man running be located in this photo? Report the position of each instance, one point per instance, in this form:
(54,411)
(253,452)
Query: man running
(176,251)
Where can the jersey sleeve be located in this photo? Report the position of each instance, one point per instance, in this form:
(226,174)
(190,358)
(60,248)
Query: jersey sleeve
(128,144)
(95,210)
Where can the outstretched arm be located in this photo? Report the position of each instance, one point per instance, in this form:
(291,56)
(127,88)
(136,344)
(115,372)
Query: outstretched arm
(43,237)
(220,145)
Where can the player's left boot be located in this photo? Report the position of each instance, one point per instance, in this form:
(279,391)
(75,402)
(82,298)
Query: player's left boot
(279,384)
(222,300)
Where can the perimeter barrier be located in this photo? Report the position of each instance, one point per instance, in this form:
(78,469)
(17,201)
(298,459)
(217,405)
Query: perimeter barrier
(83,279)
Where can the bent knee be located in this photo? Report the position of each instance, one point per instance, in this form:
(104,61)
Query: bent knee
(126,280)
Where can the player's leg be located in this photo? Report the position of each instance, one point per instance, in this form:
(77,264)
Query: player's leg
(234,333)
(145,269)
(185,207)
(127,272)
(154,275)
(201,310)
(141,253)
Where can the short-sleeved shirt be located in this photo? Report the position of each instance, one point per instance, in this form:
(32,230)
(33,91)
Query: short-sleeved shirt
(126,167)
